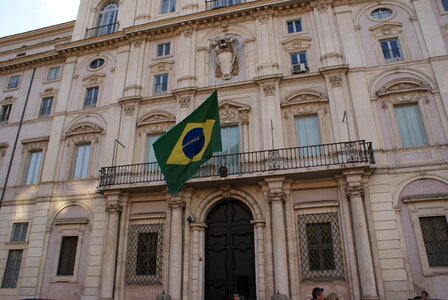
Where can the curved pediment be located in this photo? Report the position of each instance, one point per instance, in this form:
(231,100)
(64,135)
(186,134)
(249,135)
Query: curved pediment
(8,100)
(83,128)
(303,97)
(231,112)
(403,86)
(296,43)
(386,29)
(162,66)
(94,79)
(155,117)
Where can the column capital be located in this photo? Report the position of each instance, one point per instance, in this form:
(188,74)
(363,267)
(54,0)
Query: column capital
(258,223)
(198,226)
(276,197)
(176,203)
(113,208)
(355,190)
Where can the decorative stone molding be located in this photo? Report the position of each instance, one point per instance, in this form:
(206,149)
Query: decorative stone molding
(8,100)
(137,43)
(296,43)
(113,208)
(386,29)
(94,79)
(176,203)
(35,144)
(3,147)
(129,109)
(187,33)
(263,18)
(269,90)
(258,223)
(163,66)
(244,117)
(354,191)
(184,101)
(223,48)
(335,81)
(276,196)
(321,6)
(156,121)
(226,190)
(303,97)
(84,132)
(403,86)
(48,93)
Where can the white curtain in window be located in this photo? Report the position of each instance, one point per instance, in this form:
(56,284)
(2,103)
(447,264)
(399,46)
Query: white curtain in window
(32,175)
(411,126)
(108,15)
(150,156)
(308,134)
(82,161)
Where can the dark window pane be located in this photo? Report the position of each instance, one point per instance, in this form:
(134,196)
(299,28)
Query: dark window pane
(19,231)
(67,256)
(435,237)
(147,254)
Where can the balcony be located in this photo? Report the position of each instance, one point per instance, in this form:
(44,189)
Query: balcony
(102,30)
(212,4)
(252,164)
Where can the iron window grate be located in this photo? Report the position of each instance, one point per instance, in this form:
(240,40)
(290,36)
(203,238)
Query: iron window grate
(67,256)
(320,247)
(435,236)
(12,269)
(145,254)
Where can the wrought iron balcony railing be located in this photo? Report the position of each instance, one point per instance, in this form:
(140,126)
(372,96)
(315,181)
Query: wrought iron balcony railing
(212,4)
(102,30)
(344,153)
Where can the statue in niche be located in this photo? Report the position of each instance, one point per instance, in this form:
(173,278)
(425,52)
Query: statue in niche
(224,50)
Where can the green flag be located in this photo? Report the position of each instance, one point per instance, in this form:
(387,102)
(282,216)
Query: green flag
(185,147)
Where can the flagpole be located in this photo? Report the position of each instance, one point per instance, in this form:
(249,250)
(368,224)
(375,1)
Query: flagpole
(115,151)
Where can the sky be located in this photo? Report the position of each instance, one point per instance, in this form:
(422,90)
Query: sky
(18,16)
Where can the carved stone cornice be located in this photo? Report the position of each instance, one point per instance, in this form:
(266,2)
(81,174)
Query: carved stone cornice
(113,208)
(269,89)
(8,100)
(162,66)
(35,144)
(184,101)
(335,81)
(130,104)
(276,196)
(48,93)
(94,79)
(296,43)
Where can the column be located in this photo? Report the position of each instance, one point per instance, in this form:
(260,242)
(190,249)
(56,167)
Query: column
(133,86)
(361,237)
(244,119)
(265,39)
(276,197)
(197,260)
(176,204)
(259,227)
(185,63)
(113,210)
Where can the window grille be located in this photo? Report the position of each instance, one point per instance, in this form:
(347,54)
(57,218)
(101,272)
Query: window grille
(145,254)
(67,256)
(19,231)
(320,247)
(12,270)
(435,237)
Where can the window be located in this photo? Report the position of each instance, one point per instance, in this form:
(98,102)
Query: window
(12,269)
(145,254)
(13,82)
(150,155)
(96,63)
(221,3)
(19,231)
(107,19)
(160,84)
(381,13)
(91,97)
(299,58)
(82,158)
(45,106)
(53,73)
(294,26)
(435,237)
(320,247)
(391,50)
(67,256)
(34,164)
(4,113)
(308,134)
(410,124)
(230,149)
(163,49)
(168,6)
(445,4)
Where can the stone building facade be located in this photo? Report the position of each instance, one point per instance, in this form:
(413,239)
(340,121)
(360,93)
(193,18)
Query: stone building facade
(334,170)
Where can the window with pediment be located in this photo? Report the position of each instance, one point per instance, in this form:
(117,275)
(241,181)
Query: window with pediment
(6,107)
(390,42)
(93,86)
(83,140)
(406,108)
(48,98)
(307,120)
(298,56)
(3,148)
(161,77)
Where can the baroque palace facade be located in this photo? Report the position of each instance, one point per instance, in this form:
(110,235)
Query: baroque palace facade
(334,169)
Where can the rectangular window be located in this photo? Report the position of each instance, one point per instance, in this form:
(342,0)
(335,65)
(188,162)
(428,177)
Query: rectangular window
(435,237)
(308,135)
(163,49)
(53,73)
(160,84)
(445,4)
(410,125)
(19,231)
(145,254)
(4,113)
(13,82)
(91,97)
(299,58)
(320,247)
(67,256)
(45,107)
(82,158)
(168,6)
(391,50)
(150,156)
(12,270)
(222,3)
(34,164)
(294,26)
(230,139)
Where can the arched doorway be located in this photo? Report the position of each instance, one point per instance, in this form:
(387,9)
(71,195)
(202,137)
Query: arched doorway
(229,252)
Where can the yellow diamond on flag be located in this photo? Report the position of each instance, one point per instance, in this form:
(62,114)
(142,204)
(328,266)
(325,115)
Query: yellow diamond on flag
(192,143)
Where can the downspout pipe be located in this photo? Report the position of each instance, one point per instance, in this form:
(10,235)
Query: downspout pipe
(17,138)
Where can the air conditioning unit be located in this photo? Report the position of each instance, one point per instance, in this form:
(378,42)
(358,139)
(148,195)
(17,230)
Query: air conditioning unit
(299,68)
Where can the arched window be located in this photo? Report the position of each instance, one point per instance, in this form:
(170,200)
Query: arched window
(107,19)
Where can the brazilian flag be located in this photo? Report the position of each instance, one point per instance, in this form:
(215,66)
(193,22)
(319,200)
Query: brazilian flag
(185,147)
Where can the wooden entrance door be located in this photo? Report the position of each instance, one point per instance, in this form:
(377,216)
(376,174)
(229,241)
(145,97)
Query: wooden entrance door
(229,252)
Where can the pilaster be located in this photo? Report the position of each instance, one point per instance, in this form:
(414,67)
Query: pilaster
(265,39)
(133,87)
(129,112)
(186,58)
